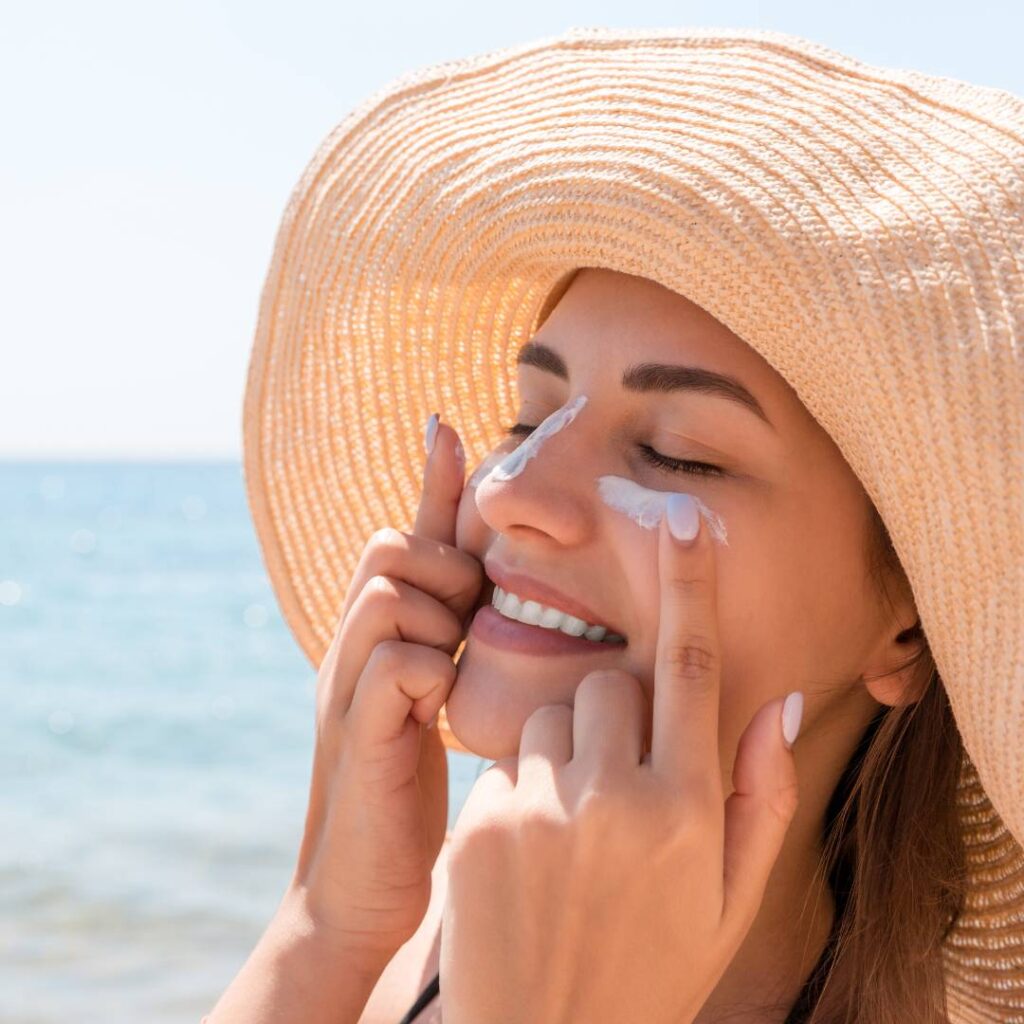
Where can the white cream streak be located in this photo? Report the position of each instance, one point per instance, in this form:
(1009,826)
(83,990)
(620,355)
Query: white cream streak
(512,463)
(646,507)
(643,505)
(483,469)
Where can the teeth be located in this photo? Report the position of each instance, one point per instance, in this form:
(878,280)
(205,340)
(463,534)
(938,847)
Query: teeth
(535,614)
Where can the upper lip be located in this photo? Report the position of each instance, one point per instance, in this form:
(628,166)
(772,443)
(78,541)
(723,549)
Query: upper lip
(528,588)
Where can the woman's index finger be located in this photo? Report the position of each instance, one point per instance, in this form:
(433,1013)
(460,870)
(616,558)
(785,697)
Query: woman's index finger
(684,730)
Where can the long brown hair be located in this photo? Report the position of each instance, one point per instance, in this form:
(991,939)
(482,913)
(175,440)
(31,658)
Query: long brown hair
(892,850)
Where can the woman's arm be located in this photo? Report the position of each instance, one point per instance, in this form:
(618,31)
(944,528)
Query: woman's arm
(299,972)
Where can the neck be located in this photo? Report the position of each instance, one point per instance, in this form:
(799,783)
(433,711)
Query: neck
(793,924)
(778,954)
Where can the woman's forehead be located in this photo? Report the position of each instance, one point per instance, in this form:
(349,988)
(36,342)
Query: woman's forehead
(622,314)
(609,322)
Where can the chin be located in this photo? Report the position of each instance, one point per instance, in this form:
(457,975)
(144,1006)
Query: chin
(480,734)
(493,695)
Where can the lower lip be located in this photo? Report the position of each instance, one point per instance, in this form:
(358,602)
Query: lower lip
(493,628)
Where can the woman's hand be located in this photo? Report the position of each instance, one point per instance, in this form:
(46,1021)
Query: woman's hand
(589,880)
(378,807)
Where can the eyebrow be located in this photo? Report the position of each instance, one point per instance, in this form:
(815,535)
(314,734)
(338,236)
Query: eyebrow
(659,377)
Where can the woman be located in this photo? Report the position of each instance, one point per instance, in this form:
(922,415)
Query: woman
(868,269)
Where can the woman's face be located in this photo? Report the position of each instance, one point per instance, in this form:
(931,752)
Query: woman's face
(796,607)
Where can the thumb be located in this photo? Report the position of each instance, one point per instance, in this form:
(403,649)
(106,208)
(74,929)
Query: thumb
(444,476)
(759,811)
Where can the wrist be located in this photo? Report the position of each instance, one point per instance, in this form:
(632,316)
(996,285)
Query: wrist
(363,956)
(302,971)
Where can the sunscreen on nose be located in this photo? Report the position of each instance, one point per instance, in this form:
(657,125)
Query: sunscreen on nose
(646,507)
(512,464)
(483,470)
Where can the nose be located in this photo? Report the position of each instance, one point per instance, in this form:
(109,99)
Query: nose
(541,485)
(514,463)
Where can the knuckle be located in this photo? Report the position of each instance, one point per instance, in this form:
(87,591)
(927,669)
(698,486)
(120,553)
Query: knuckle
(387,538)
(784,803)
(485,839)
(692,657)
(600,806)
(383,550)
(540,824)
(688,589)
(381,590)
(387,657)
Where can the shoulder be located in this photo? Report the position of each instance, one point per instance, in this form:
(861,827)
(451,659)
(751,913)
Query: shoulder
(411,969)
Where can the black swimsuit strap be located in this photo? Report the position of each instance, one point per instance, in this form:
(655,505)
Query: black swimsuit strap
(424,997)
(797,1015)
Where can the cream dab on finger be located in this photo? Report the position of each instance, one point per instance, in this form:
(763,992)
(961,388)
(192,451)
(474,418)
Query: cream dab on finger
(646,507)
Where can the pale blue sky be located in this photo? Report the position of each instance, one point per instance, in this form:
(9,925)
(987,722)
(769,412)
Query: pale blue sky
(149,151)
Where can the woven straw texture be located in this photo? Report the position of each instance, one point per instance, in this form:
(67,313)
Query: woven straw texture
(860,227)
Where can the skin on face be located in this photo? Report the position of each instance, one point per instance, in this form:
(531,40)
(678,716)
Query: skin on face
(796,606)
(797,609)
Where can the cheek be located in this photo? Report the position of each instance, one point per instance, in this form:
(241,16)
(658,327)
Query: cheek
(756,632)
(791,608)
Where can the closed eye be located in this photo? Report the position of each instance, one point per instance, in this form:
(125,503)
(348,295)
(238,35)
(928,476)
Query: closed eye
(651,455)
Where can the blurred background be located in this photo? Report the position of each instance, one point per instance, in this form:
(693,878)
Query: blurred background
(156,740)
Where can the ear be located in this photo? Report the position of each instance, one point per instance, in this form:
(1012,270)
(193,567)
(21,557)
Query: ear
(894,674)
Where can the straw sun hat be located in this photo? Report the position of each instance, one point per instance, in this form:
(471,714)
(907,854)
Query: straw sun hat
(860,227)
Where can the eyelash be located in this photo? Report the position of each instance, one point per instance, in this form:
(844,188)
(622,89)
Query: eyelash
(651,455)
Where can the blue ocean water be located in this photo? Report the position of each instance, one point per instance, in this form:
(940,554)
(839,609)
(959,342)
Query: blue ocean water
(156,740)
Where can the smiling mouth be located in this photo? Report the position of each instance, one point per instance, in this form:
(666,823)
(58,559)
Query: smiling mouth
(485,599)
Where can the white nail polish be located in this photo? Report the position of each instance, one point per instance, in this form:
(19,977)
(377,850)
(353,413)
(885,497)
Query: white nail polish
(792,713)
(430,434)
(683,516)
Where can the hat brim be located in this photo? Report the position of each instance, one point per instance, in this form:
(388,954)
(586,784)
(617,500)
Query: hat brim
(843,219)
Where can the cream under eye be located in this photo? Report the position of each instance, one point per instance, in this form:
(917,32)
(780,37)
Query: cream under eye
(651,455)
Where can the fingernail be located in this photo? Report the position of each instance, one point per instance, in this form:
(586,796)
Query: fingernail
(460,454)
(792,712)
(433,722)
(430,434)
(683,516)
